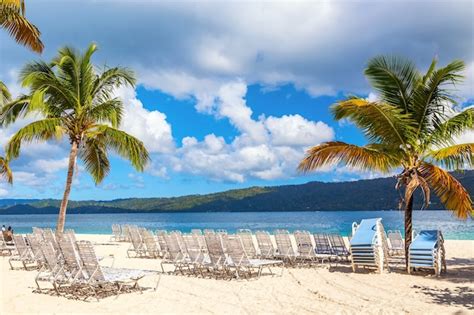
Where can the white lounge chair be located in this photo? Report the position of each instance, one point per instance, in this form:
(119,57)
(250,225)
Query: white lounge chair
(217,255)
(152,247)
(369,245)
(137,246)
(396,245)
(265,244)
(52,271)
(34,243)
(198,259)
(175,254)
(49,236)
(23,253)
(247,242)
(241,263)
(285,248)
(96,276)
(306,253)
(323,249)
(339,247)
(427,251)
(116,233)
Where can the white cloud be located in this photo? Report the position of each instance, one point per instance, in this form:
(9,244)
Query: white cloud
(294,130)
(51,165)
(150,127)
(266,148)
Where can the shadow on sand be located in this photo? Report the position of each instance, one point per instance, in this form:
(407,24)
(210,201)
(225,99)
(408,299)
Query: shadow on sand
(459,296)
(460,271)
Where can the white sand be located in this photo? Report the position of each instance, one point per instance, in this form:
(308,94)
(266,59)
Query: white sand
(314,290)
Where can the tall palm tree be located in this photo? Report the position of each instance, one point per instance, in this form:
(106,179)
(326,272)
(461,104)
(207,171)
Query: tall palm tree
(412,128)
(5,170)
(12,18)
(76,102)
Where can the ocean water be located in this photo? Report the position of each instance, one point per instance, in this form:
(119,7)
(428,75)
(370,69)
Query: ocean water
(318,221)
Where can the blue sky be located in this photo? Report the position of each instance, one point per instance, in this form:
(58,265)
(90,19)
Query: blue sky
(234,99)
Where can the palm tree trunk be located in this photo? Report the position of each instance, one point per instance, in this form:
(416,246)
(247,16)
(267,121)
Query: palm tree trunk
(408,228)
(67,190)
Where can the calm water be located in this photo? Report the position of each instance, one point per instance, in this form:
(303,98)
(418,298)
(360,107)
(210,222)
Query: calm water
(328,221)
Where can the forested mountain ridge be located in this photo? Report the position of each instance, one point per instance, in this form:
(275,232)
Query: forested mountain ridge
(373,194)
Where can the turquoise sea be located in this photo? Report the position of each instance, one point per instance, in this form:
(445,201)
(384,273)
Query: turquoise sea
(319,221)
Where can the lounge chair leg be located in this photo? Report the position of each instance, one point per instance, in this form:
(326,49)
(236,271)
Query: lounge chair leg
(157,282)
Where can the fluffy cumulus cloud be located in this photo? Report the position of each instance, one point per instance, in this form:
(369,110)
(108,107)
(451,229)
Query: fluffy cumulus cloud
(150,126)
(266,148)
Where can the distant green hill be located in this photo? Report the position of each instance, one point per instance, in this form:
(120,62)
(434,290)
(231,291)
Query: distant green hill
(374,194)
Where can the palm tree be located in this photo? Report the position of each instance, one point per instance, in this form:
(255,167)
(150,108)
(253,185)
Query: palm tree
(76,102)
(412,128)
(12,18)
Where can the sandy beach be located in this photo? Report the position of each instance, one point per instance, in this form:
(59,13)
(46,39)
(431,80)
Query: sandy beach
(315,290)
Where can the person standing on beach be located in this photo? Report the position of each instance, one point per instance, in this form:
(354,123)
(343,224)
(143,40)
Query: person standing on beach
(3,228)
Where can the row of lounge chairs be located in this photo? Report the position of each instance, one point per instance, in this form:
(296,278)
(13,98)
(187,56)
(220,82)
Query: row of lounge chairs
(194,251)
(307,246)
(65,262)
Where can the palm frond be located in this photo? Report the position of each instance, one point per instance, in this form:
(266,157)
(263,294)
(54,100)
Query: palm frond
(380,122)
(430,97)
(109,80)
(44,129)
(5,95)
(87,75)
(394,78)
(123,144)
(449,190)
(446,132)
(5,170)
(455,157)
(110,111)
(23,31)
(14,110)
(336,152)
(94,156)
(59,90)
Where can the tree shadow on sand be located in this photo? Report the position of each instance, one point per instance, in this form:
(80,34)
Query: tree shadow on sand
(460,270)
(459,296)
